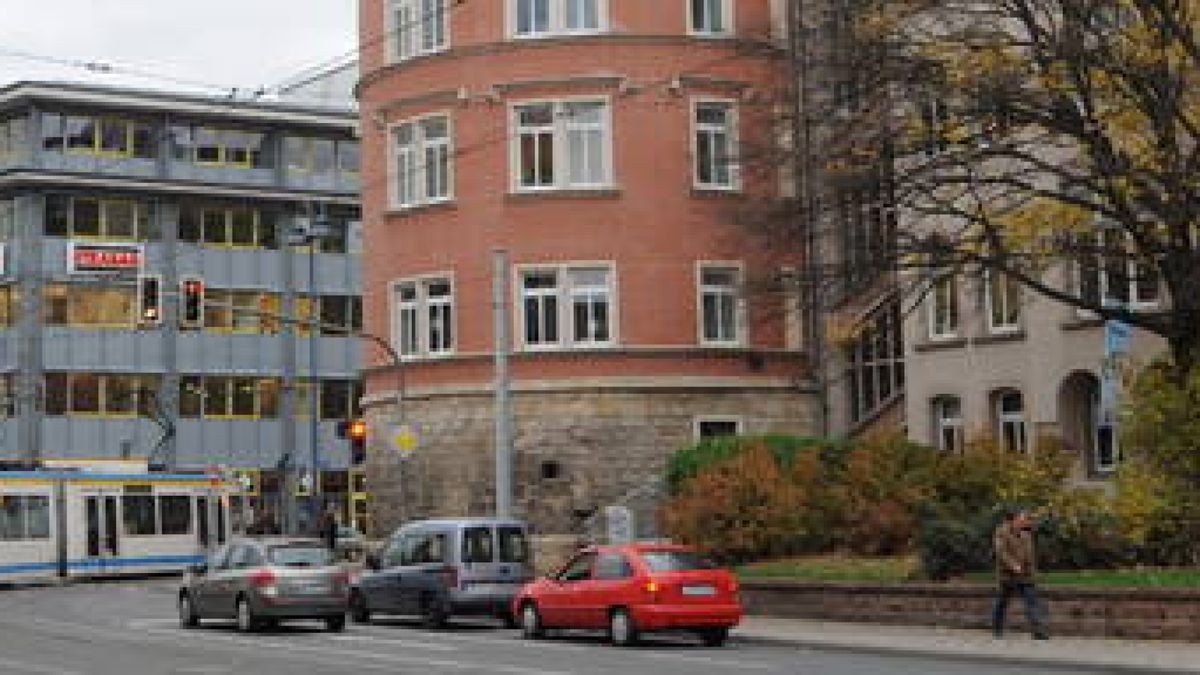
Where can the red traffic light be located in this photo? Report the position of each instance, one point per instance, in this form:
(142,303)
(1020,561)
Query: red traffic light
(193,286)
(356,430)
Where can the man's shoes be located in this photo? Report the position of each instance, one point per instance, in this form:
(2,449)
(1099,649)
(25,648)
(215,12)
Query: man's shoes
(1041,636)
(997,634)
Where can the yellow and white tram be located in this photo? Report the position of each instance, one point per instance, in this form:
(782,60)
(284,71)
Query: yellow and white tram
(71,521)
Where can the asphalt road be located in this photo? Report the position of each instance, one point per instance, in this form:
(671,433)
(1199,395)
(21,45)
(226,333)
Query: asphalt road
(129,628)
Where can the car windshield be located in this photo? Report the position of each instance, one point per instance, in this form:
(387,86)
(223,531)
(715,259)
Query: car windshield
(674,561)
(300,556)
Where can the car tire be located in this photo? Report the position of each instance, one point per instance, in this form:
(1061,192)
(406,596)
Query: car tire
(531,621)
(359,611)
(714,637)
(433,612)
(510,620)
(247,622)
(335,623)
(187,612)
(621,630)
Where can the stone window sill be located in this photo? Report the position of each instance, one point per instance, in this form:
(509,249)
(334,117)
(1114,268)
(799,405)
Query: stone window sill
(565,193)
(444,205)
(937,345)
(1000,338)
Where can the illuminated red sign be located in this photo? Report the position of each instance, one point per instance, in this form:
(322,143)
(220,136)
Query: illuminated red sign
(104,257)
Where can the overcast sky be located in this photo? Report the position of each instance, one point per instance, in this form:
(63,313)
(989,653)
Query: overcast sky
(229,43)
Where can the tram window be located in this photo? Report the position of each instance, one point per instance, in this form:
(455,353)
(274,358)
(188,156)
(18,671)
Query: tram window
(37,517)
(175,514)
(139,514)
(219,560)
(12,518)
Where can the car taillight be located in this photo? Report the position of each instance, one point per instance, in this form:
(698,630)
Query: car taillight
(449,576)
(341,578)
(263,578)
(733,585)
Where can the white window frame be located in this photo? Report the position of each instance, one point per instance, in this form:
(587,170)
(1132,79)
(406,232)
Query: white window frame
(702,31)
(559,133)
(557,21)
(943,423)
(731,131)
(409,41)
(740,330)
(698,421)
(1014,419)
(418,150)
(1102,280)
(942,278)
(565,294)
(990,279)
(420,306)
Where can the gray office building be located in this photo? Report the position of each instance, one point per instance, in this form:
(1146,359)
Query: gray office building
(179,282)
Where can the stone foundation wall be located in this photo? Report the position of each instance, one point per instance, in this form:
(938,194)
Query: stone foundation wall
(1172,614)
(574,451)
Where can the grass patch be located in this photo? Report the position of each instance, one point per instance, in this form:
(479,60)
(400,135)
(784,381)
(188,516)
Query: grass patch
(1143,577)
(834,568)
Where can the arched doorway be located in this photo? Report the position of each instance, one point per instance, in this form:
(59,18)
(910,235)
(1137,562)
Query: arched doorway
(1079,420)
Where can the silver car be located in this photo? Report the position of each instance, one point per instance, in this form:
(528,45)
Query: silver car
(260,582)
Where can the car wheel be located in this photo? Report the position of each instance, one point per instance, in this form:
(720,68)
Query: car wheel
(714,637)
(246,621)
(433,612)
(531,621)
(359,612)
(510,620)
(187,612)
(621,630)
(335,623)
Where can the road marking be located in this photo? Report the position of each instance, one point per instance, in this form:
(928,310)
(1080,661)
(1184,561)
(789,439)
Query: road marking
(416,644)
(37,668)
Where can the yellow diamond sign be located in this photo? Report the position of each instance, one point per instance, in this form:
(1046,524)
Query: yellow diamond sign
(403,439)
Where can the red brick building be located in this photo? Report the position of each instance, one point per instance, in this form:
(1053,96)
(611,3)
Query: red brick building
(601,144)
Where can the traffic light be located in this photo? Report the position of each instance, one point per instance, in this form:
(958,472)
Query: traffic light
(356,431)
(149,300)
(191,303)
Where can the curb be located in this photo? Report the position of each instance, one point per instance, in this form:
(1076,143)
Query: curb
(1075,664)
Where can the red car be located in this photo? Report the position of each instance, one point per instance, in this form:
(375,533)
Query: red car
(630,590)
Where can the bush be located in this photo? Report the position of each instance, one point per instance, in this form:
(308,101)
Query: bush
(951,547)
(885,480)
(694,459)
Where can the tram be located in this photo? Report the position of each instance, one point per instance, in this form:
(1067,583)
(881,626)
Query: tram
(65,519)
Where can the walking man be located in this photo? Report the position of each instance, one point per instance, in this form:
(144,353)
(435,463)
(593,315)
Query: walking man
(1016,569)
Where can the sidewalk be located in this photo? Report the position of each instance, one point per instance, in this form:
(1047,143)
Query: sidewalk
(1093,654)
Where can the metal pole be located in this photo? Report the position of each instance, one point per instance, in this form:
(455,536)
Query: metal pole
(314,498)
(503,412)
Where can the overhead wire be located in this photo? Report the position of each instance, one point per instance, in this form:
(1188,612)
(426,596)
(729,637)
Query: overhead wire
(110,68)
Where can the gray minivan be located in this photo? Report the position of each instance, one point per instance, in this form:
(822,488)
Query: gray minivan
(440,568)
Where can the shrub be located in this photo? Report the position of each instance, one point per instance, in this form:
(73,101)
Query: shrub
(885,480)
(692,460)
(951,547)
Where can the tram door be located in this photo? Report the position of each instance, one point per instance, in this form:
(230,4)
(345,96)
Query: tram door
(103,539)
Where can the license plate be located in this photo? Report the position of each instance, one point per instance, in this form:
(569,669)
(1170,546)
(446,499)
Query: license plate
(492,588)
(699,590)
(310,589)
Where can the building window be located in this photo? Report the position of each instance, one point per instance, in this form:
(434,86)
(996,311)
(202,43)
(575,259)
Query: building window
(1010,421)
(114,137)
(563,144)
(948,424)
(1114,276)
(14,144)
(341,315)
(320,157)
(421,162)
(715,139)
(567,305)
(720,320)
(943,306)
(714,427)
(876,359)
(92,394)
(219,147)
(223,397)
(90,306)
(710,17)
(231,226)
(1003,302)
(93,218)
(423,317)
(536,18)
(416,27)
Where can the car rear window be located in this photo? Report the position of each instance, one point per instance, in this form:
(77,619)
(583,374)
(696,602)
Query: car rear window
(477,545)
(300,556)
(514,546)
(674,561)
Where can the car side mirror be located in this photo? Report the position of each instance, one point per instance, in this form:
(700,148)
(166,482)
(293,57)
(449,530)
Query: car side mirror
(372,562)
